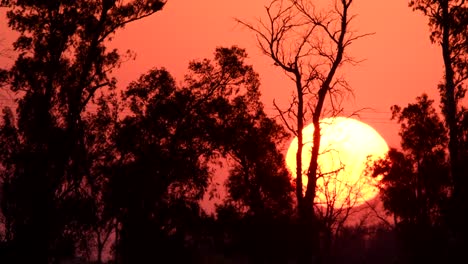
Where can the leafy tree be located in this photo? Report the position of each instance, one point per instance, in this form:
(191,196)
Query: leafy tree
(258,185)
(62,62)
(101,129)
(159,172)
(258,182)
(416,184)
(167,142)
(448,20)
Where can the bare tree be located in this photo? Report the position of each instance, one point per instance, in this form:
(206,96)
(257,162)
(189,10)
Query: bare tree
(343,201)
(308,43)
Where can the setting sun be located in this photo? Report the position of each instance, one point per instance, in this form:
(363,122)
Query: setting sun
(346,146)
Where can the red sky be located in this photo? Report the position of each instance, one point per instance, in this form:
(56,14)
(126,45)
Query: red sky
(400,62)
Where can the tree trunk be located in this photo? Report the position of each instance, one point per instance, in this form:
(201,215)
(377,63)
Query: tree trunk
(460,201)
(450,100)
(300,141)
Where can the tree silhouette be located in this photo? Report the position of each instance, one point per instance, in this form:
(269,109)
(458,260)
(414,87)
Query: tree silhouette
(166,142)
(101,129)
(339,205)
(258,182)
(160,173)
(259,189)
(62,62)
(309,46)
(448,20)
(415,186)
(86,171)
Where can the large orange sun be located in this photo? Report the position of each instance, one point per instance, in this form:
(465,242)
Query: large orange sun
(346,146)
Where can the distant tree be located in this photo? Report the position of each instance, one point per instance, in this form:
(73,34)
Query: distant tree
(62,62)
(167,142)
(339,204)
(101,130)
(258,182)
(448,20)
(160,173)
(259,189)
(309,46)
(416,186)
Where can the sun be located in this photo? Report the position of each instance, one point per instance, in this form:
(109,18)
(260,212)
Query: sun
(346,146)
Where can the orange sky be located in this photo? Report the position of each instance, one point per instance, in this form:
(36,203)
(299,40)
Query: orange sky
(401,63)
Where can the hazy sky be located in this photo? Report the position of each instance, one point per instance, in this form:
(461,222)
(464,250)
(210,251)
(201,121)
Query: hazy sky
(400,62)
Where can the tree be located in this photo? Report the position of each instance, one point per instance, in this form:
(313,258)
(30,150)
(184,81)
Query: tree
(160,173)
(258,181)
(309,46)
(448,20)
(169,139)
(415,186)
(62,62)
(259,189)
(340,202)
(101,131)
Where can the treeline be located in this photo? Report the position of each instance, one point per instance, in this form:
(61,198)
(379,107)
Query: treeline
(425,184)
(93,173)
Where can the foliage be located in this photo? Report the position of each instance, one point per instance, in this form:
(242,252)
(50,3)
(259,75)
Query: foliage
(416,179)
(169,138)
(62,61)
(449,17)
(258,182)
(85,169)
(258,203)
(415,187)
(448,21)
